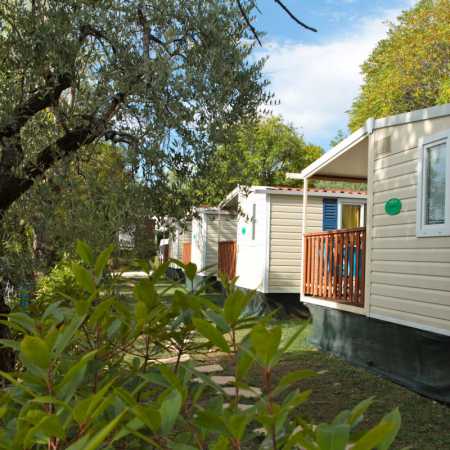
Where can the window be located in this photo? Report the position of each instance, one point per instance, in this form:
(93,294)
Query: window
(351,214)
(433,197)
(254,222)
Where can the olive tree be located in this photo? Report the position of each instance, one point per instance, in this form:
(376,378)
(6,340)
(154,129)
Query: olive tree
(161,77)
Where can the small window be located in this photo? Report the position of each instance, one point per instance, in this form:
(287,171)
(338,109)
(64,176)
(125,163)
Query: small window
(254,222)
(433,198)
(351,214)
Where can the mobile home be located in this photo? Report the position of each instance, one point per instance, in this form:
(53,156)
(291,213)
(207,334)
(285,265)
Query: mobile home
(270,227)
(180,243)
(213,247)
(380,294)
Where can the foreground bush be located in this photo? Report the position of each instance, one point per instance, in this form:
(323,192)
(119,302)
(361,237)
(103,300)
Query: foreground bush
(90,376)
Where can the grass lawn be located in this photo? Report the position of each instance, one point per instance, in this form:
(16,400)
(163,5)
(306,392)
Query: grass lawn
(425,423)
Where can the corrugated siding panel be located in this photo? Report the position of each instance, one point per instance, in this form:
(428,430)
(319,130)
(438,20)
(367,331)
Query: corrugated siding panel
(286,216)
(330,214)
(410,276)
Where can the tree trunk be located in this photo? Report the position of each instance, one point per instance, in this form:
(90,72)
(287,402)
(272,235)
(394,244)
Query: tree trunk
(7,357)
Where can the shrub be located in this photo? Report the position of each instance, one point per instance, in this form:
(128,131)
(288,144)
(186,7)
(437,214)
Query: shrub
(89,374)
(58,285)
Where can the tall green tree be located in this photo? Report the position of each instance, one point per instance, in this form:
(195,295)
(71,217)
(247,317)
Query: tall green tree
(164,78)
(260,153)
(93,197)
(410,69)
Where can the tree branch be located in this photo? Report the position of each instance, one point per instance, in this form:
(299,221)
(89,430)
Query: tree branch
(295,19)
(43,98)
(12,187)
(247,21)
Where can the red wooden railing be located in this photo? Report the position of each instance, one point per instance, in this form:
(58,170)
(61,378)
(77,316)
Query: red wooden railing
(334,265)
(186,255)
(227,258)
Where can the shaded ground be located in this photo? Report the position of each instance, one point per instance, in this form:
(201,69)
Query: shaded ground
(425,423)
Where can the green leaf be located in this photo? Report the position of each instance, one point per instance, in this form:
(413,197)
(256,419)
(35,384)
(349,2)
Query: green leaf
(90,406)
(49,426)
(265,343)
(169,410)
(100,437)
(85,253)
(237,425)
(145,292)
(211,333)
(212,421)
(179,446)
(382,435)
(74,377)
(359,410)
(66,334)
(190,270)
(333,437)
(35,351)
(221,444)
(15,345)
(147,414)
(235,305)
(23,320)
(244,363)
(102,260)
(84,278)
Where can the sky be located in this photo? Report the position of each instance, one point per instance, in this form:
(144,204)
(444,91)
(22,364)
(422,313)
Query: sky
(316,76)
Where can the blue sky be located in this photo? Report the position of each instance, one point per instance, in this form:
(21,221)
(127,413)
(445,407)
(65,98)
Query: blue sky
(315,76)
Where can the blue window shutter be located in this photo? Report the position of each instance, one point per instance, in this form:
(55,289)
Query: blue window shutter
(329,214)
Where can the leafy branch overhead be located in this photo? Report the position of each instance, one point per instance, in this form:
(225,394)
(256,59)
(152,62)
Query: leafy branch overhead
(141,74)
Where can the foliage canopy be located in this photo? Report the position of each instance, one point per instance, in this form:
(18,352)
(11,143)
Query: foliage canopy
(163,78)
(410,69)
(259,153)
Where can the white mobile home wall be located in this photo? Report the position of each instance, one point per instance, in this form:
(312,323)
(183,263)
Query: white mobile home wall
(208,229)
(177,240)
(408,278)
(272,262)
(286,239)
(252,249)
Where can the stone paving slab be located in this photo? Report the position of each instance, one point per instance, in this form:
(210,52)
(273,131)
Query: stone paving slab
(223,380)
(132,274)
(209,368)
(241,406)
(173,359)
(253,392)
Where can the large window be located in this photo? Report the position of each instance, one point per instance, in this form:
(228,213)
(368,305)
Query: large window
(351,214)
(433,196)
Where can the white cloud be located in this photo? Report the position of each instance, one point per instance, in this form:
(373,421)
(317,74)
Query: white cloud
(316,83)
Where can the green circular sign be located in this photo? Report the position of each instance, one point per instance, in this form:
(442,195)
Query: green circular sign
(243,231)
(393,206)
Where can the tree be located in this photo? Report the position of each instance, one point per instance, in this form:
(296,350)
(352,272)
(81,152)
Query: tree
(260,153)
(146,74)
(340,136)
(92,197)
(163,78)
(410,69)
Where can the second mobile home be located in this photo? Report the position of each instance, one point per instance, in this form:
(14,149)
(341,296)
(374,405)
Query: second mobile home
(269,231)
